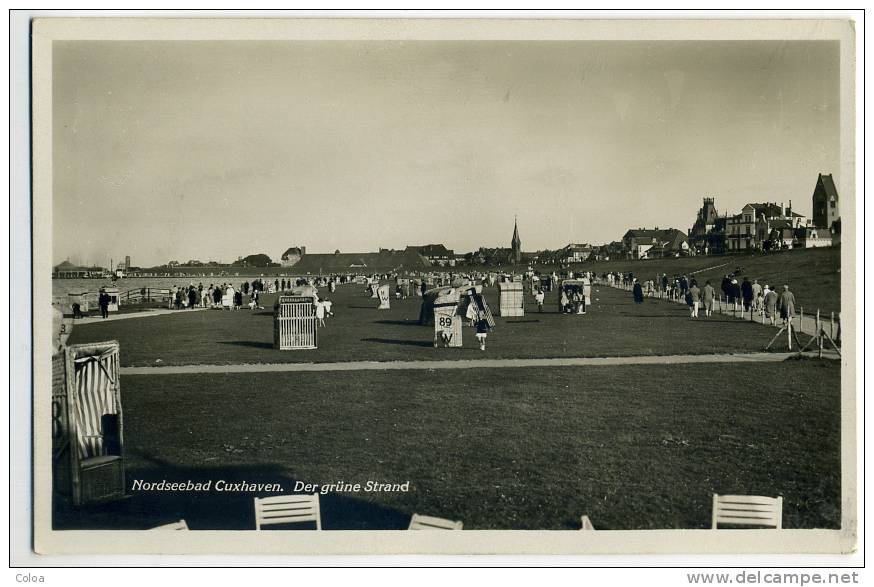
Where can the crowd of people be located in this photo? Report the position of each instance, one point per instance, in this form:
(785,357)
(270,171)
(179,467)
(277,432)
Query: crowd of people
(746,295)
(248,295)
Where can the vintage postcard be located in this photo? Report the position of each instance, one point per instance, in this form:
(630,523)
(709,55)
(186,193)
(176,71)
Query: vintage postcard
(323,286)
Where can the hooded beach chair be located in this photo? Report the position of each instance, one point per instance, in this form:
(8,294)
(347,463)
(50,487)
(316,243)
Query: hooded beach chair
(747,510)
(418,522)
(87,424)
(287,509)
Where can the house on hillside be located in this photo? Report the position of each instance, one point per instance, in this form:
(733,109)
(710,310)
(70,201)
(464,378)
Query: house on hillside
(494,255)
(435,254)
(757,223)
(292,256)
(575,253)
(810,237)
(648,243)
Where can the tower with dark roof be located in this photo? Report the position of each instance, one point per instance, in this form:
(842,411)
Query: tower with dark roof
(826,209)
(516,243)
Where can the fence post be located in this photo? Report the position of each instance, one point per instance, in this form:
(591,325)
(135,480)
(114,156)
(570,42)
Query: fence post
(801,319)
(789,330)
(832,327)
(818,333)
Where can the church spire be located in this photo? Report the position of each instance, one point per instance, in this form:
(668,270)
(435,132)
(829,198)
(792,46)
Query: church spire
(516,243)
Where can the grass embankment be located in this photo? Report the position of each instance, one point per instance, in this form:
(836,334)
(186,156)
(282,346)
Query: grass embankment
(632,447)
(613,326)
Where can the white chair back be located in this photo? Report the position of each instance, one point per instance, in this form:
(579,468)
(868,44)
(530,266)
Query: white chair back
(287,509)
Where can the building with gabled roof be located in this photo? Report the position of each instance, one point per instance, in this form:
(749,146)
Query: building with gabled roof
(437,254)
(575,253)
(755,224)
(637,242)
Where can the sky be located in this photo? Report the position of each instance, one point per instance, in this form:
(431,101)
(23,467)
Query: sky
(171,150)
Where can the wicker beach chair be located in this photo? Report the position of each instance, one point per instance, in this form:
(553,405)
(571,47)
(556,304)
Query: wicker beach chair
(88,456)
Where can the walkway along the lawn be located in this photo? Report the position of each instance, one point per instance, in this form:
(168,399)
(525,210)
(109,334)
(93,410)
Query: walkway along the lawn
(472,364)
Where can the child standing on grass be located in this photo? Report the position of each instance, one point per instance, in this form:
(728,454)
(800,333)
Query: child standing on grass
(482,331)
(539,297)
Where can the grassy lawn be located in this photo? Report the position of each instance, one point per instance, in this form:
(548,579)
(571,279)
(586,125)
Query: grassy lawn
(814,275)
(633,447)
(614,326)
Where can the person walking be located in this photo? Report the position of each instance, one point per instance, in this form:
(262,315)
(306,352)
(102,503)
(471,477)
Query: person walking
(757,295)
(726,287)
(192,297)
(708,294)
(734,294)
(482,332)
(746,290)
(787,305)
(771,298)
(103,301)
(539,297)
(695,295)
(637,292)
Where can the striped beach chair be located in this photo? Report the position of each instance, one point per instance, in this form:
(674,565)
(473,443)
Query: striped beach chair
(95,422)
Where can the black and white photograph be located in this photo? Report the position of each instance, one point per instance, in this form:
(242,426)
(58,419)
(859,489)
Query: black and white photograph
(294,278)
